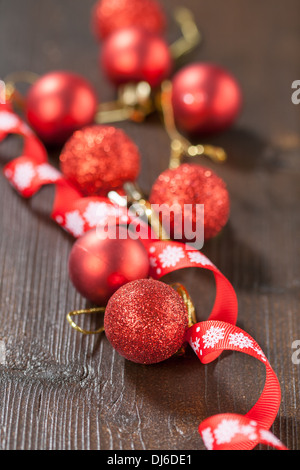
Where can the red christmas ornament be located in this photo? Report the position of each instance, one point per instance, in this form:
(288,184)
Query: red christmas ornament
(190,185)
(135,55)
(100,158)
(109,16)
(59,103)
(100,264)
(146,321)
(205,98)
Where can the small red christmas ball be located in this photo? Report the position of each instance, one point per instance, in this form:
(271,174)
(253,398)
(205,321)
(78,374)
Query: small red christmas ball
(100,158)
(182,189)
(110,15)
(100,263)
(135,55)
(145,321)
(58,103)
(205,98)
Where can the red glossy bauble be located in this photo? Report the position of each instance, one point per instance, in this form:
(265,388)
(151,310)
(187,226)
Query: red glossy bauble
(205,98)
(110,15)
(192,184)
(99,264)
(58,103)
(146,321)
(134,55)
(100,158)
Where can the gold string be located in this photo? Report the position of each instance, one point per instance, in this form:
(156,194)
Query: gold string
(136,198)
(11,91)
(134,102)
(191,36)
(180,289)
(85,312)
(181,146)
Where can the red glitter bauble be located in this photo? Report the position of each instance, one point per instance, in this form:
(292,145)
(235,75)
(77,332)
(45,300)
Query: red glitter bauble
(100,158)
(145,321)
(109,16)
(58,103)
(100,264)
(205,98)
(134,55)
(192,184)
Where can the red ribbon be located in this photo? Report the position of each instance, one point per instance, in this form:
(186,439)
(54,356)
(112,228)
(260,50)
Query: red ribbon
(233,431)
(78,214)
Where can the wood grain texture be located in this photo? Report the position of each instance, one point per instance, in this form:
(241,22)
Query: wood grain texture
(60,390)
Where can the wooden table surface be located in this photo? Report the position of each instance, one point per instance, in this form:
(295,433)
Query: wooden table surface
(62,390)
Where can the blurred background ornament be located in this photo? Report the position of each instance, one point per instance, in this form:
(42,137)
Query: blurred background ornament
(109,16)
(135,55)
(100,158)
(58,103)
(206,98)
(183,189)
(102,261)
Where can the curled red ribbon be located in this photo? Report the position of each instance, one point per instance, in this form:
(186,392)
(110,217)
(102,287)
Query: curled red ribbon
(233,431)
(77,214)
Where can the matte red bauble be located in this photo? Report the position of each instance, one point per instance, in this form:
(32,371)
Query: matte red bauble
(58,103)
(187,186)
(100,158)
(145,321)
(205,98)
(109,16)
(134,55)
(99,265)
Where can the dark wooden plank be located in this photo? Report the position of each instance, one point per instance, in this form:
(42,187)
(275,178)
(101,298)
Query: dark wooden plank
(59,390)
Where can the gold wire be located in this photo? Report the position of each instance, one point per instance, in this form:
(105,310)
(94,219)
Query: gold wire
(134,103)
(23,76)
(181,290)
(181,146)
(191,36)
(11,91)
(85,312)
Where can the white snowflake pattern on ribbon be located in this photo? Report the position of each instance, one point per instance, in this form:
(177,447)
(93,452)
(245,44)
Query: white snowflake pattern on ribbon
(23,175)
(8,121)
(249,430)
(242,341)
(226,430)
(170,256)
(212,336)
(199,258)
(97,213)
(48,172)
(8,173)
(208,438)
(196,345)
(153,261)
(74,223)
(269,437)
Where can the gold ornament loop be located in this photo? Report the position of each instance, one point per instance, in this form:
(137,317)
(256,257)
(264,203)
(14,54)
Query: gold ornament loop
(191,36)
(85,312)
(11,80)
(181,290)
(181,146)
(134,103)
